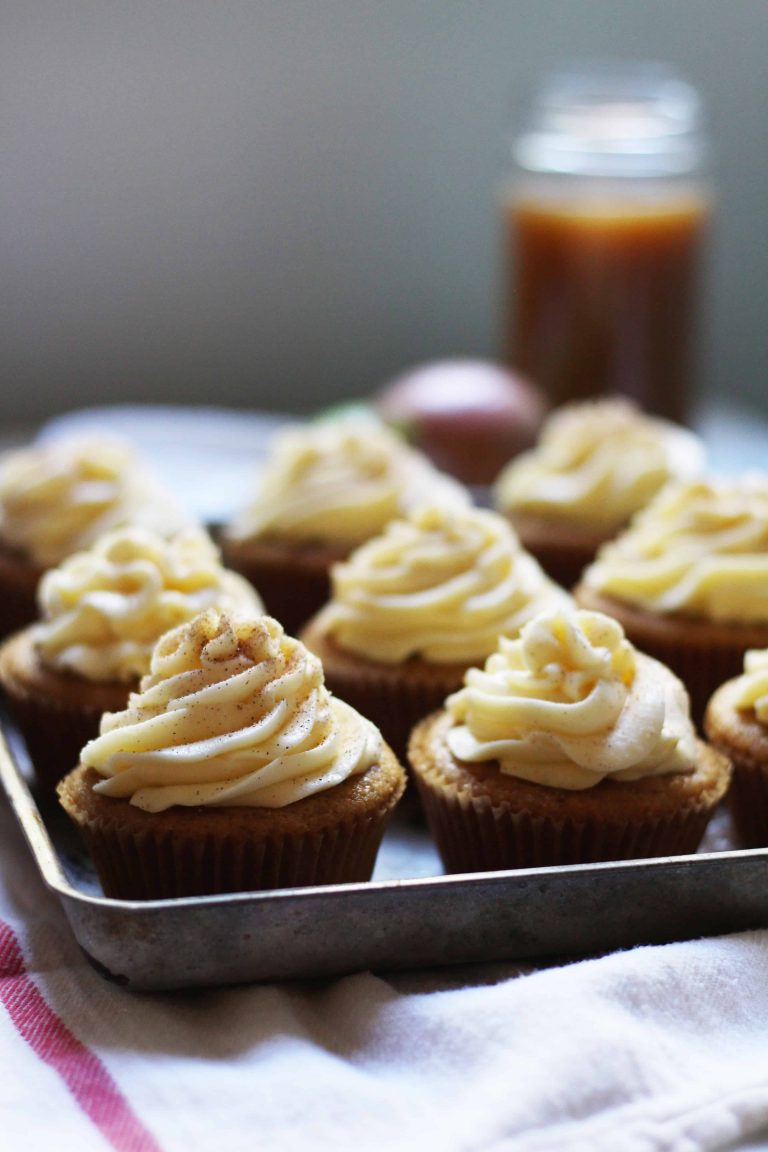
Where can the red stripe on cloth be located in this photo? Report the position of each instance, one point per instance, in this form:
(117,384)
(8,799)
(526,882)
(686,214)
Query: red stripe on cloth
(81,1070)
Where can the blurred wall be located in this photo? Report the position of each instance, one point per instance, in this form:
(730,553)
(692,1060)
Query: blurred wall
(279,203)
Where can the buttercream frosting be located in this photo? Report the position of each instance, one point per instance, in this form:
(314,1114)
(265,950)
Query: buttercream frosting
(699,548)
(58,496)
(103,609)
(571,702)
(342,481)
(441,585)
(232,713)
(751,689)
(597,463)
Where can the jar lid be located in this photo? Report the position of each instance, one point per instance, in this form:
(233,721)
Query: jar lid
(614,118)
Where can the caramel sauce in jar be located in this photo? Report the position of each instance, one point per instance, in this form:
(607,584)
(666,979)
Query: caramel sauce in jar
(604,231)
(603,296)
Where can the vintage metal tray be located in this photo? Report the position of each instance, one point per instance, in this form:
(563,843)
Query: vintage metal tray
(408,916)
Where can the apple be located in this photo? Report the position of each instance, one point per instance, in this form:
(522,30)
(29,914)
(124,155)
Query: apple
(469,416)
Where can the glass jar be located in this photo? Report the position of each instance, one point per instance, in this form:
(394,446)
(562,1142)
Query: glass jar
(605,220)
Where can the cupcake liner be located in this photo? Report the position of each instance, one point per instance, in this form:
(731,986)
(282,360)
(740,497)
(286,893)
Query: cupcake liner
(562,549)
(292,580)
(482,820)
(473,836)
(198,852)
(393,696)
(18,592)
(56,713)
(741,737)
(748,802)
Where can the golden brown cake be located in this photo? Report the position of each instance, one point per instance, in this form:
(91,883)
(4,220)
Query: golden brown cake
(415,607)
(233,769)
(736,722)
(102,610)
(596,464)
(57,497)
(569,747)
(326,488)
(688,580)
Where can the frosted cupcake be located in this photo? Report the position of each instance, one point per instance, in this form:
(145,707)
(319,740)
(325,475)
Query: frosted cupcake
(689,580)
(57,497)
(736,722)
(102,612)
(595,465)
(326,488)
(568,747)
(412,609)
(232,769)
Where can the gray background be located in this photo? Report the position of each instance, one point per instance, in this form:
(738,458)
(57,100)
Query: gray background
(281,203)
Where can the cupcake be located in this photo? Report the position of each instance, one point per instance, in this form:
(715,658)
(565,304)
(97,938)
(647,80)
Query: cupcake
(736,722)
(102,612)
(412,609)
(326,488)
(232,769)
(57,497)
(595,465)
(569,747)
(689,580)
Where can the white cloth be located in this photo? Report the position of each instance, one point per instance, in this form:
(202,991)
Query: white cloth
(656,1048)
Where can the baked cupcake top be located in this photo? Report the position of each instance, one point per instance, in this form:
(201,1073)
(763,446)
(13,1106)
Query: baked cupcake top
(341,481)
(441,585)
(571,702)
(103,609)
(232,713)
(57,497)
(596,463)
(698,549)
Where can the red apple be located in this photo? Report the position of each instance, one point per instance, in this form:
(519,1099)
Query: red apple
(469,416)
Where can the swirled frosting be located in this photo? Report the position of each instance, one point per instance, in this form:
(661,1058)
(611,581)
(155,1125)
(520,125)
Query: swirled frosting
(570,702)
(751,689)
(57,497)
(597,463)
(341,480)
(441,585)
(232,713)
(699,549)
(103,609)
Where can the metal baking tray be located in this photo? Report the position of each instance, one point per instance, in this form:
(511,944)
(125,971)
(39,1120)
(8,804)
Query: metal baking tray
(408,916)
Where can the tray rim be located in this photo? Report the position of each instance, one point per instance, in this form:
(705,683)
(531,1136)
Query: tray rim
(391,924)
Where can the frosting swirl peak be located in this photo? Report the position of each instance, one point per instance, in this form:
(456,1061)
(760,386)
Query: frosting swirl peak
(233,712)
(569,702)
(597,463)
(442,585)
(698,548)
(57,497)
(104,609)
(343,481)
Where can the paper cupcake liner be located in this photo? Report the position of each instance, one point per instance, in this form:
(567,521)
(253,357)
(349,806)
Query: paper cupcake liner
(148,867)
(54,736)
(18,593)
(748,803)
(57,716)
(293,582)
(473,836)
(198,852)
(393,696)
